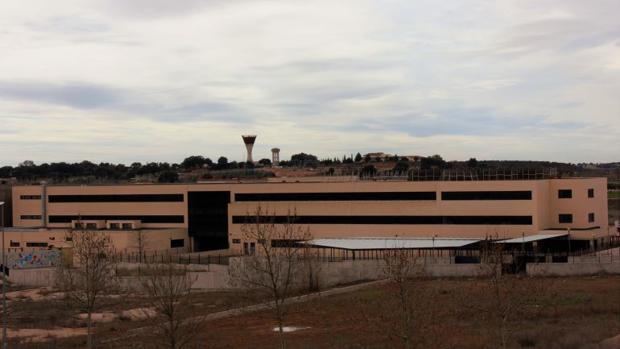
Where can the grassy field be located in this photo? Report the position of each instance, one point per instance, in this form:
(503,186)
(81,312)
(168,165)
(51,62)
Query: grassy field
(448,313)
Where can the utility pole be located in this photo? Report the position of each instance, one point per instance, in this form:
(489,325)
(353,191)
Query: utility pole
(4,310)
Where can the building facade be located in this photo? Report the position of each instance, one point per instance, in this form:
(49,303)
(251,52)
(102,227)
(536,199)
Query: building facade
(210,216)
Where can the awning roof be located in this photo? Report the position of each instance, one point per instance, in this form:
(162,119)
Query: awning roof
(390,243)
(531,238)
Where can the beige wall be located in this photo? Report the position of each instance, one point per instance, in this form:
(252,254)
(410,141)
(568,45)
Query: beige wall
(544,206)
(5,196)
(123,240)
(579,205)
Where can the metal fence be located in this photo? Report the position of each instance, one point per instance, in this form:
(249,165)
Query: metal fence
(185,258)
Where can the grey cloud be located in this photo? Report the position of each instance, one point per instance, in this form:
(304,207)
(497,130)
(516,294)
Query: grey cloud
(565,35)
(8,130)
(92,96)
(68,25)
(328,65)
(77,95)
(162,8)
(212,111)
(457,120)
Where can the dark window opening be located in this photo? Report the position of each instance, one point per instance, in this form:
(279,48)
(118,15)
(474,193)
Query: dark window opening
(236,241)
(115,226)
(285,243)
(175,243)
(91,225)
(117,198)
(30,197)
(14,243)
(591,192)
(486,195)
(127,226)
(357,196)
(143,219)
(590,217)
(36,244)
(565,193)
(565,218)
(404,220)
(30,217)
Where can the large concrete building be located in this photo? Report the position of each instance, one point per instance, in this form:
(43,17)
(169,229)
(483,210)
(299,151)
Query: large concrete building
(209,216)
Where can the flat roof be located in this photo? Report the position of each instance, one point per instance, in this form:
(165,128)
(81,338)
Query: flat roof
(373,243)
(286,180)
(531,238)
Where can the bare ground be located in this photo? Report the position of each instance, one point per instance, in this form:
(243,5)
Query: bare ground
(569,313)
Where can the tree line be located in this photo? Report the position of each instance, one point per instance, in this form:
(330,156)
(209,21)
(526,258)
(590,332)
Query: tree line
(164,172)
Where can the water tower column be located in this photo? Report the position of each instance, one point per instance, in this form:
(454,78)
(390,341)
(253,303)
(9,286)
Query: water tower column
(249,144)
(275,156)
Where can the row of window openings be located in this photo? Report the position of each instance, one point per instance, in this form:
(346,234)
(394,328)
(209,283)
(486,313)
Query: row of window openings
(568,193)
(174,243)
(30,197)
(562,194)
(113,226)
(80,225)
(568,218)
(29,244)
(563,218)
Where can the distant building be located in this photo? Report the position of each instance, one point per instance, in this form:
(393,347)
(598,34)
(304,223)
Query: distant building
(378,156)
(210,216)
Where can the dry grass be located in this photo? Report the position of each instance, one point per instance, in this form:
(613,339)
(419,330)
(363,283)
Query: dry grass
(577,312)
(572,313)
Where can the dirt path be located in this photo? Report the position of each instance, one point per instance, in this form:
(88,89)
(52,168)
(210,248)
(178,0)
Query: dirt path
(258,307)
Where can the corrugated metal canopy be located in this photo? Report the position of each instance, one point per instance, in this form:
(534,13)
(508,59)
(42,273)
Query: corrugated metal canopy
(530,238)
(390,243)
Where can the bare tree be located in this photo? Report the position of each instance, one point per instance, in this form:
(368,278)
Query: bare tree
(276,267)
(168,293)
(398,269)
(141,243)
(312,268)
(506,292)
(91,275)
(401,313)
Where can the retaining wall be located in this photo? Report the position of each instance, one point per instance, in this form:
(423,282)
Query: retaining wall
(572,269)
(36,277)
(329,274)
(334,273)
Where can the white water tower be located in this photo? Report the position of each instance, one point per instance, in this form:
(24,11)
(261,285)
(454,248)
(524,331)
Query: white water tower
(249,144)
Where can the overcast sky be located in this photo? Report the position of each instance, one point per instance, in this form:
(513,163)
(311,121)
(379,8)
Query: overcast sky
(159,80)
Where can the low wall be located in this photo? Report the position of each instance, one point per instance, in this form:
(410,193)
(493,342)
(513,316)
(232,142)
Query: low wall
(210,276)
(36,277)
(33,259)
(329,274)
(334,273)
(216,278)
(572,269)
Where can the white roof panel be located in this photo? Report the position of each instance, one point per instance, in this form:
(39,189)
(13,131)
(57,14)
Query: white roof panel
(530,238)
(390,243)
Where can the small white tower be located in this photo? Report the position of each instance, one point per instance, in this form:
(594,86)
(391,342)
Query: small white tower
(275,156)
(249,144)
